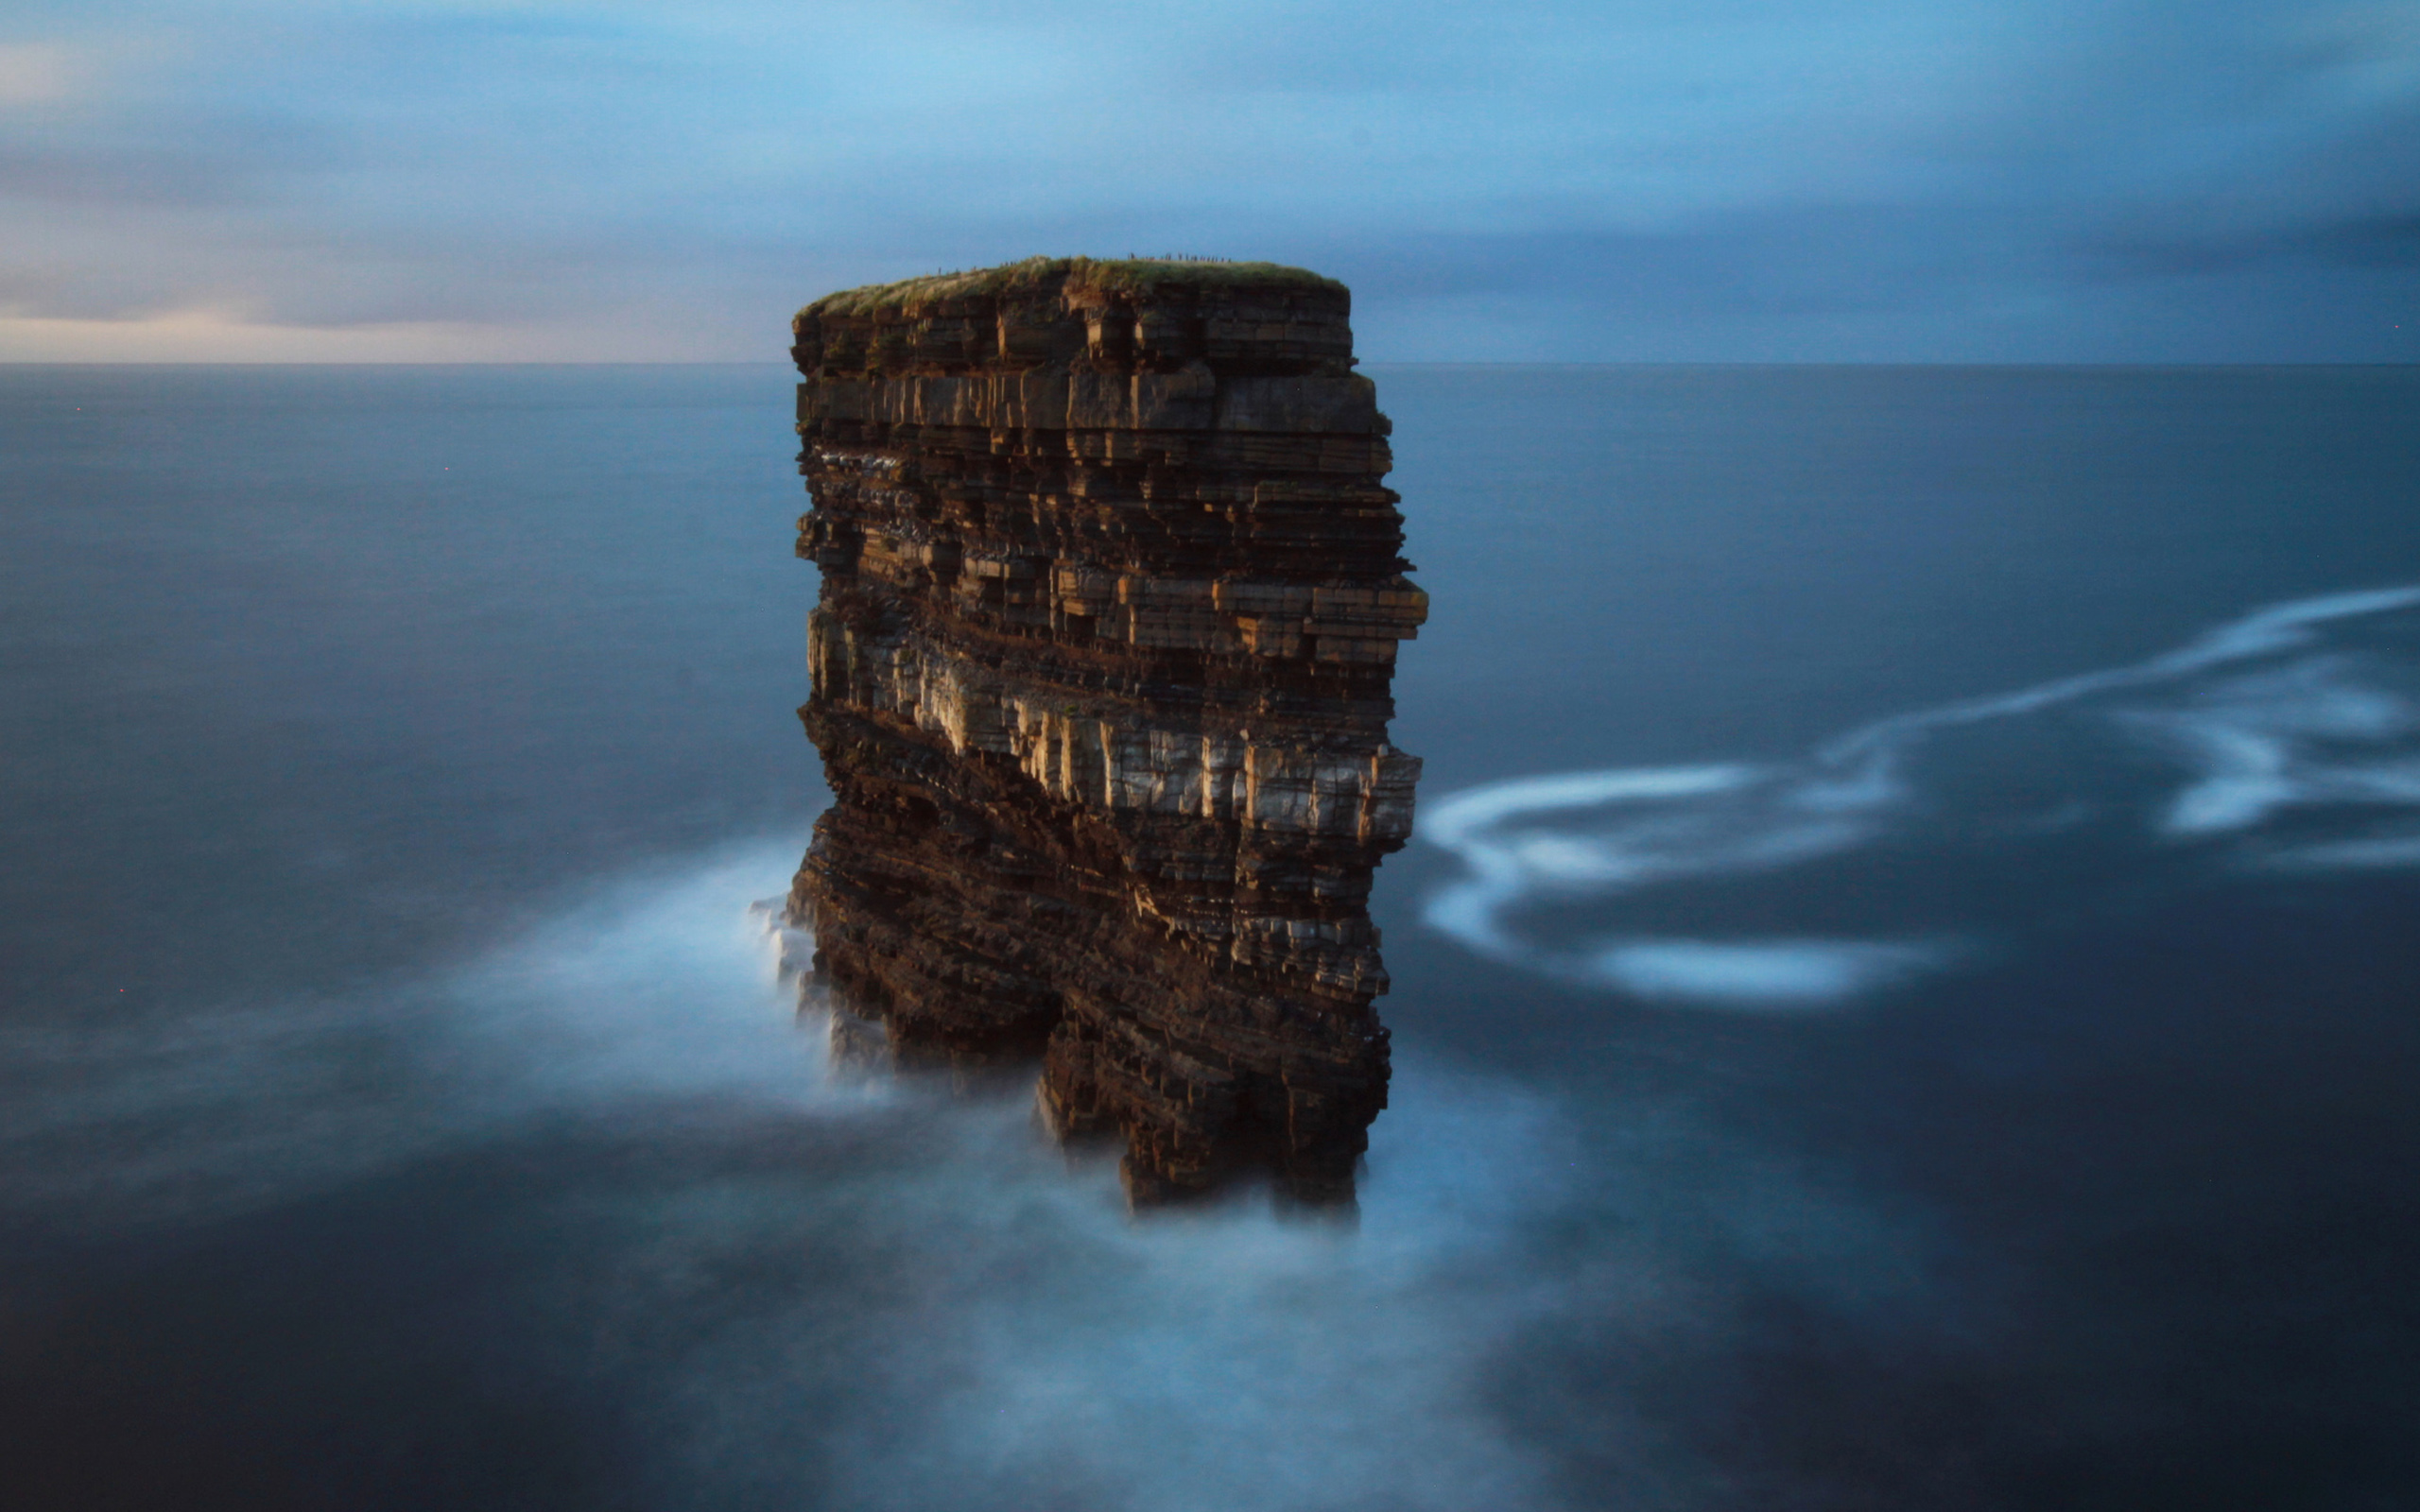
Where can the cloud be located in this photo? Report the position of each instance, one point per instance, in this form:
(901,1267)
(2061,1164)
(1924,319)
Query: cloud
(209,334)
(1647,179)
(35,73)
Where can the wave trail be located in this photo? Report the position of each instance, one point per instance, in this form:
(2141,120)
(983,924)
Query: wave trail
(2289,738)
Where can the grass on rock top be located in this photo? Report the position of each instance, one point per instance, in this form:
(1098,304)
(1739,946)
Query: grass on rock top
(1128,274)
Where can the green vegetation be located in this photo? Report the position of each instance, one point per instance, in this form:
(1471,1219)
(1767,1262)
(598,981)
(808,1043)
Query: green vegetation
(1125,273)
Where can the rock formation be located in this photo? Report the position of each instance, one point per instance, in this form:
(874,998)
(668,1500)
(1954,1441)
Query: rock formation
(1101,670)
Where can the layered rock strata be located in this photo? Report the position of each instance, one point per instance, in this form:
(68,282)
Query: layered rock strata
(1111,600)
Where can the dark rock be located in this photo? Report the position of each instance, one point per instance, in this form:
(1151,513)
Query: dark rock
(1110,601)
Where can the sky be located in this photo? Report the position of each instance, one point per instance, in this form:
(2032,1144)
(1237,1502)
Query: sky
(1721,180)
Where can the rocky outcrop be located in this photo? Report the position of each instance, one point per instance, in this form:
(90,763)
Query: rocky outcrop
(1111,600)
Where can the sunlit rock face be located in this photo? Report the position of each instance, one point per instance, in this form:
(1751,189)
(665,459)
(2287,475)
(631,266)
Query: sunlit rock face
(1111,600)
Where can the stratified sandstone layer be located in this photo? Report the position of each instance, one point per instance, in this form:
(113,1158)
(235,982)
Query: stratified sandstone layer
(1111,600)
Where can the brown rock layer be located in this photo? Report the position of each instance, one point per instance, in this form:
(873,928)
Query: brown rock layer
(1111,600)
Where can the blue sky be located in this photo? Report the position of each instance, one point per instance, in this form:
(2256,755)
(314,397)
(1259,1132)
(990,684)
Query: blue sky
(1708,181)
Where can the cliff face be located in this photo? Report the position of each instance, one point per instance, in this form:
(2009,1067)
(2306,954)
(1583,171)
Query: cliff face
(1110,601)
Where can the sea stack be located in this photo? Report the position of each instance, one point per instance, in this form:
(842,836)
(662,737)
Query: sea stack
(1112,591)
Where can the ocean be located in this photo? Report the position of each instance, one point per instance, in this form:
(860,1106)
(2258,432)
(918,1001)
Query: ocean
(1905,983)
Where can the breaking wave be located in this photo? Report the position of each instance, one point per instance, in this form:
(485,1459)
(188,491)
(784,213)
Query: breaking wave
(2289,739)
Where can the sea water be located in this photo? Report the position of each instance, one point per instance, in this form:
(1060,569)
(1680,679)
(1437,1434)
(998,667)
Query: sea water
(1905,989)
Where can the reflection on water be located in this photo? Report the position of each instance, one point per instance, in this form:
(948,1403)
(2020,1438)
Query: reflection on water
(1111,600)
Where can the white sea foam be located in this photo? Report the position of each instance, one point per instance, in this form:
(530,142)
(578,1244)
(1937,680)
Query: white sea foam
(1769,973)
(652,985)
(2381,851)
(913,1301)
(2306,710)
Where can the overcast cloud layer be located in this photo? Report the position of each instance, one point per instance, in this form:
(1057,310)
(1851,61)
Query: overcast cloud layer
(1560,179)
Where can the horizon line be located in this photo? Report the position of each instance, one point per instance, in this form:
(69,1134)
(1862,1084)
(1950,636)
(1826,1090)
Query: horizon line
(1371,362)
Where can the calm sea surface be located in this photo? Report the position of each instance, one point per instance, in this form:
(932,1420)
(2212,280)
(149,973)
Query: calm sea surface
(1906,992)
